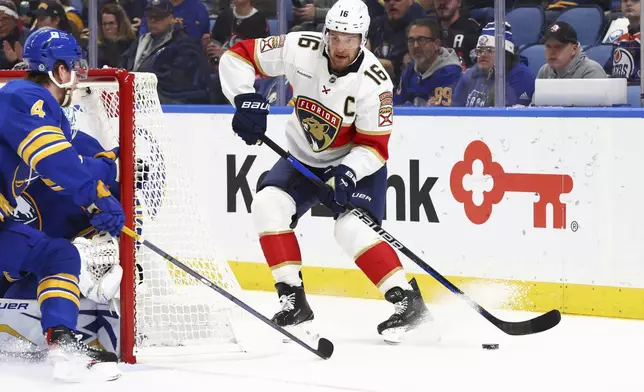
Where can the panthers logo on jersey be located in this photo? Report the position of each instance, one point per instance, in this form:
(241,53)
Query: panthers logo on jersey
(623,63)
(320,124)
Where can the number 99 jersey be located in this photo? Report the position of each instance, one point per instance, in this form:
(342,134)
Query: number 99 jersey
(338,118)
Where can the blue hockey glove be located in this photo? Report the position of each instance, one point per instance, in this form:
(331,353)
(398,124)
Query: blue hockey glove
(249,121)
(343,181)
(107,211)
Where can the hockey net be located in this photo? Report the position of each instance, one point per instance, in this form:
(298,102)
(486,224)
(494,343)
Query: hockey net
(161,306)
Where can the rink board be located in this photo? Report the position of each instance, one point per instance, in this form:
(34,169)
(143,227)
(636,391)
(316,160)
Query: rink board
(581,253)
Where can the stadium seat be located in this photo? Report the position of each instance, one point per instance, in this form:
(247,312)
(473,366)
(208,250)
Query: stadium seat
(587,22)
(482,15)
(633,96)
(600,53)
(527,23)
(536,57)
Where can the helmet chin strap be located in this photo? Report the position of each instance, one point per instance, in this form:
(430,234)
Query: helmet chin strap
(66,86)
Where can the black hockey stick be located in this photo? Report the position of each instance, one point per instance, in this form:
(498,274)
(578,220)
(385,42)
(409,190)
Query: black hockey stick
(325,347)
(538,324)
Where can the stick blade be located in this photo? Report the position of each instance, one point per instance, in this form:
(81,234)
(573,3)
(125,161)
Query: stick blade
(538,324)
(325,348)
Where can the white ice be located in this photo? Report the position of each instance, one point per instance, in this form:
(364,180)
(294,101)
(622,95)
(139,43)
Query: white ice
(580,354)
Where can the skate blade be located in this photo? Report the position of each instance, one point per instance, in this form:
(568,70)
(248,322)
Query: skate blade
(397,334)
(72,369)
(394,335)
(303,331)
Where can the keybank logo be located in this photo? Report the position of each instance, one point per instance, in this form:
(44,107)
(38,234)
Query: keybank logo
(478,203)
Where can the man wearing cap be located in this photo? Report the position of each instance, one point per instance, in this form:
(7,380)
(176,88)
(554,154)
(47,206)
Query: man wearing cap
(172,55)
(192,15)
(476,87)
(11,38)
(565,57)
(50,13)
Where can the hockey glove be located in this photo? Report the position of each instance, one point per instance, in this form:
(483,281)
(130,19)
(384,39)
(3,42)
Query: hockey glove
(343,182)
(249,121)
(107,211)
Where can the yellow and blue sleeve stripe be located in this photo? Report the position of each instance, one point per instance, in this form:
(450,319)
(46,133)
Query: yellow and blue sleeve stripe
(41,143)
(52,185)
(61,286)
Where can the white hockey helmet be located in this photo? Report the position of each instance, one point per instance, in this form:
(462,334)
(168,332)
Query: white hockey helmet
(348,16)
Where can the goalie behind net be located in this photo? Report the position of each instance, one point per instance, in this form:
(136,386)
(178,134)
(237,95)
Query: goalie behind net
(171,307)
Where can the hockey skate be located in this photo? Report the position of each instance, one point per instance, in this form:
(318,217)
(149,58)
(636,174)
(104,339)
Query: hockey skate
(410,312)
(296,315)
(74,361)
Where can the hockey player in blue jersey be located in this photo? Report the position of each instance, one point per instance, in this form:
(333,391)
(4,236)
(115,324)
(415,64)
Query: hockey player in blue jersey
(431,76)
(57,216)
(35,146)
(476,87)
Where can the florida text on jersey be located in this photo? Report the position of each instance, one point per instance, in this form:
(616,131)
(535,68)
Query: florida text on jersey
(338,118)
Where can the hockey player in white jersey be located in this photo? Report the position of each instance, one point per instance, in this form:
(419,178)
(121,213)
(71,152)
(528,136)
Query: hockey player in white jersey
(340,130)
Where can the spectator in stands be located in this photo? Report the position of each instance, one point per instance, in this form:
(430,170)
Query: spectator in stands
(625,59)
(115,35)
(11,36)
(51,14)
(310,15)
(133,9)
(72,14)
(430,78)
(458,30)
(387,35)
(238,23)
(191,14)
(171,54)
(565,57)
(476,87)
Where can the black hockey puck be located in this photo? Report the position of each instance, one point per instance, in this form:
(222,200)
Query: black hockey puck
(490,346)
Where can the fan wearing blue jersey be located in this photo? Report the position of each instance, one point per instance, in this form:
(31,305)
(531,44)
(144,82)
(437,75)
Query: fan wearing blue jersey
(430,78)
(476,87)
(35,146)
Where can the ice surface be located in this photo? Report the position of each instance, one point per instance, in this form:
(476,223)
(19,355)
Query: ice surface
(581,354)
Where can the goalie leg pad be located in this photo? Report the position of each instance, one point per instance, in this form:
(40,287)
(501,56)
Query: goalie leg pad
(272,211)
(374,257)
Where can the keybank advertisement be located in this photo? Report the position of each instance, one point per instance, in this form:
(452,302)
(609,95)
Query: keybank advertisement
(541,199)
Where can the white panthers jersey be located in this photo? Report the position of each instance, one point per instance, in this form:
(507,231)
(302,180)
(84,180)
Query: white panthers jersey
(337,119)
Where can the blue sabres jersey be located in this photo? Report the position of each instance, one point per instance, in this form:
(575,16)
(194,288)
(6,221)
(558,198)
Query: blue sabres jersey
(35,146)
(415,89)
(58,216)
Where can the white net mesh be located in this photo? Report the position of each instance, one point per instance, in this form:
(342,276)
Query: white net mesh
(172,308)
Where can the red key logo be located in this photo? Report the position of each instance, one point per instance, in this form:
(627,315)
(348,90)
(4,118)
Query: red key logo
(549,187)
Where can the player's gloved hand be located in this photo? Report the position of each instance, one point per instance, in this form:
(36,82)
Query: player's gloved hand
(249,121)
(343,181)
(107,211)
